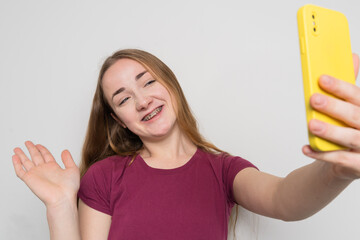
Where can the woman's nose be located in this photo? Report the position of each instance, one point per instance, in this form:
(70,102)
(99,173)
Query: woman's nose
(142,102)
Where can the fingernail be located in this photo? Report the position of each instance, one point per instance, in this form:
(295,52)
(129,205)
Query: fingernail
(326,80)
(317,126)
(307,151)
(319,99)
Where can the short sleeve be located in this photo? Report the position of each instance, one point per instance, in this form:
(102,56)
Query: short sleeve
(232,165)
(95,187)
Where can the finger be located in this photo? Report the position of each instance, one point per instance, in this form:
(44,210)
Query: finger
(67,159)
(24,159)
(344,90)
(356,64)
(19,170)
(345,136)
(34,153)
(342,159)
(341,110)
(47,156)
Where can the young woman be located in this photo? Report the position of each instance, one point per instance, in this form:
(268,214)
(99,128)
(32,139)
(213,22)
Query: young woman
(147,172)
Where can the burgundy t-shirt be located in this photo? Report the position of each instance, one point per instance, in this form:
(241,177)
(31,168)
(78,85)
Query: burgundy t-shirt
(193,201)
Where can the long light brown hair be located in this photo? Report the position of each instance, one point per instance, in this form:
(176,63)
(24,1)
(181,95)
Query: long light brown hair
(105,136)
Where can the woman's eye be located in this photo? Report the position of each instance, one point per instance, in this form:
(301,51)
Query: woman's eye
(123,101)
(150,82)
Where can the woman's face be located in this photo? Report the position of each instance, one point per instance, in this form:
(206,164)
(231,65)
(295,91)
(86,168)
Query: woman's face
(140,103)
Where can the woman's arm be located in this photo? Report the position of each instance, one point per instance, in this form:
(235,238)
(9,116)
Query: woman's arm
(308,189)
(297,196)
(63,221)
(94,225)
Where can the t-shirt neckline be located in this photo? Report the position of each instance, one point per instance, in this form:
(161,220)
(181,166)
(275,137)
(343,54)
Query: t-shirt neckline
(171,170)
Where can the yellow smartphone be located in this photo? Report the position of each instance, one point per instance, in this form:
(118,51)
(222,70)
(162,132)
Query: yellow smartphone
(325,49)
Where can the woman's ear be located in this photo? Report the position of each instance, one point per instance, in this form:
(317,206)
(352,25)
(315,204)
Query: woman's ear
(118,120)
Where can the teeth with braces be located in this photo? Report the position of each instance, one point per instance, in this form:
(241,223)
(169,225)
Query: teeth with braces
(152,114)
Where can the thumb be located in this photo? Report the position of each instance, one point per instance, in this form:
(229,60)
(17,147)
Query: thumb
(67,159)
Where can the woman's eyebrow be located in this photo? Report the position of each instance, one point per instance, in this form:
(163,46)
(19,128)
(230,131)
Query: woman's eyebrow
(117,92)
(137,77)
(140,75)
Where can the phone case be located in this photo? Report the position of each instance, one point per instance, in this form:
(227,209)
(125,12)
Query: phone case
(325,49)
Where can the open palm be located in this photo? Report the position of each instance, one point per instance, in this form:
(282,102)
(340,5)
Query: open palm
(43,175)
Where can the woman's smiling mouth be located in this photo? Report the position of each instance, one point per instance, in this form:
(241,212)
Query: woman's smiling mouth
(152,114)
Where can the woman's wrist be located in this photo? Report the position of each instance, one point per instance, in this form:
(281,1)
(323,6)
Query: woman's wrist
(332,178)
(67,205)
(61,201)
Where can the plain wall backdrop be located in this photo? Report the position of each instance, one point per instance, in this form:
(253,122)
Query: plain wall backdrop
(238,63)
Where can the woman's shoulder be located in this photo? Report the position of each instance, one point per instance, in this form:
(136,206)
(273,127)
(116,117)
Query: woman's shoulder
(111,163)
(214,156)
(225,159)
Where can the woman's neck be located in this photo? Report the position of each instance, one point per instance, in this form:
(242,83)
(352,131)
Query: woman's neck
(176,147)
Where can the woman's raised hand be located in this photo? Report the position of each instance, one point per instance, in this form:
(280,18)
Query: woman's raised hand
(346,163)
(41,173)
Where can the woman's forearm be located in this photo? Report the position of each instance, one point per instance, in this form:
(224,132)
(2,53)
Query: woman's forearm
(63,221)
(307,190)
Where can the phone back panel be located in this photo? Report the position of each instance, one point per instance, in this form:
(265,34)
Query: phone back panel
(325,49)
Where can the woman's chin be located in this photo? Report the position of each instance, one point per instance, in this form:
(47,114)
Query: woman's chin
(159,133)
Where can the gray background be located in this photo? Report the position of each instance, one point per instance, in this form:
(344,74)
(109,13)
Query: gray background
(237,61)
